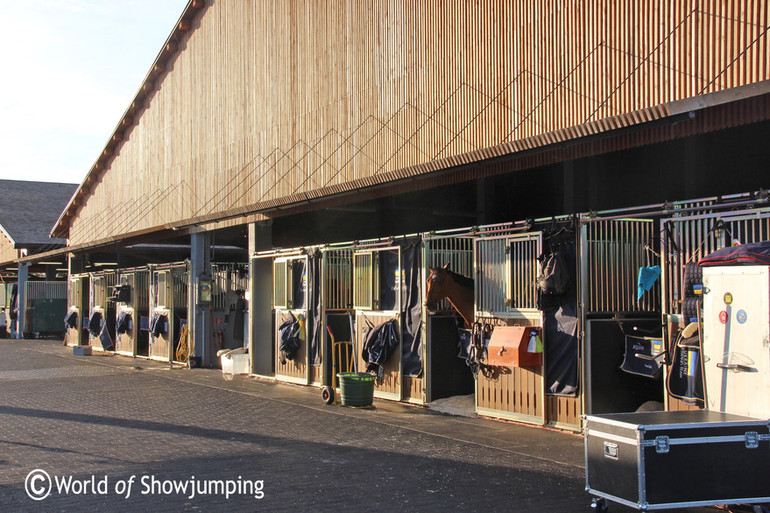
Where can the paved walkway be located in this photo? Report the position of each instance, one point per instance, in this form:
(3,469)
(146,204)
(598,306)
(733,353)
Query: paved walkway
(134,435)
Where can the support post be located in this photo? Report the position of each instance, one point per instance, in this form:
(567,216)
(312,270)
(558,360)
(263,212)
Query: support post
(261,344)
(20,300)
(199,305)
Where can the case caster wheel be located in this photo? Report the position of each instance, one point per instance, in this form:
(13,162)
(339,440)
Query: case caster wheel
(327,394)
(599,505)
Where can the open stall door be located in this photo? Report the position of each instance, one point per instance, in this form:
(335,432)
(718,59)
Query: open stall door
(228,302)
(510,385)
(623,348)
(261,321)
(447,374)
(338,327)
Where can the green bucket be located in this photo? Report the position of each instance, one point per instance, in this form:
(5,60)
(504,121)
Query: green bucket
(356,388)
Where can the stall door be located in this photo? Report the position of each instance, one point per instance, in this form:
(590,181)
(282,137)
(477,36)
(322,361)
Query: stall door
(291,300)
(377,300)
(506,273)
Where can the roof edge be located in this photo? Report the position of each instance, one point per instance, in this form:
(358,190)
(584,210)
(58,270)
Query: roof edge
(146,89)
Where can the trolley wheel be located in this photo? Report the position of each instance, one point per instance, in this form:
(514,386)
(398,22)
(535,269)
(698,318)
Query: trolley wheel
(327,394)
(599,505)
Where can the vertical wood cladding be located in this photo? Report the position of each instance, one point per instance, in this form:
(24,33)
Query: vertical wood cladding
(270,99)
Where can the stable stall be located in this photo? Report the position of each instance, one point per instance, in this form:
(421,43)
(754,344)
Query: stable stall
(447,373)
(387,298)
(132,300)
(508,336)
(228,302)
(168,331)
(101,316)
(689,231)
(76,319)
(302,300)
(338,317)
(624,346)
(291,311)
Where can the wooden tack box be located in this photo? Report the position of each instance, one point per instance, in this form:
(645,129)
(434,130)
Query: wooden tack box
(670,459)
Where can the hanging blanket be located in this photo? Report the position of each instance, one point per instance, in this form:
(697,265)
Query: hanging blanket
(380,343)
(95,324)
(290,338)
(71,320)
(123,322)
(158,325)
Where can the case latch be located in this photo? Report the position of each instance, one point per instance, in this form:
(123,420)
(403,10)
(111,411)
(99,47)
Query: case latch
(661,444)
(752,440)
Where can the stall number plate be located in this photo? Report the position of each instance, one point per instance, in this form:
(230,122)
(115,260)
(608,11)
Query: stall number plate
(611,450)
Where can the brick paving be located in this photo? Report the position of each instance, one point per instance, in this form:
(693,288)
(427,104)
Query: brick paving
(111,418)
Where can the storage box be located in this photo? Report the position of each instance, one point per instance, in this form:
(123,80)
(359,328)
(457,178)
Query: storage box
(515,346)
(81,350)
(237,363)
(662,460)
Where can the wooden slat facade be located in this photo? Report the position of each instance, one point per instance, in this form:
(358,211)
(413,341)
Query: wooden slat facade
(269,102)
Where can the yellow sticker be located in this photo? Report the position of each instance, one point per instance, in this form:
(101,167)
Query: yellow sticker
(728,298)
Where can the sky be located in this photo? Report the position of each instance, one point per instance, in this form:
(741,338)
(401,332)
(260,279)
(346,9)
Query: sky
(70,70)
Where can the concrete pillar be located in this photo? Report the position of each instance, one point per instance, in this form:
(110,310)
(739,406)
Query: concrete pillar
(21,283)
(260,299)
(199,314)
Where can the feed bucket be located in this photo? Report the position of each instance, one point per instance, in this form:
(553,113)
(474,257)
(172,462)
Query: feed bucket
(356,388)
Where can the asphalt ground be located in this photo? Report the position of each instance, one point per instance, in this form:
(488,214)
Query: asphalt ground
(112,433)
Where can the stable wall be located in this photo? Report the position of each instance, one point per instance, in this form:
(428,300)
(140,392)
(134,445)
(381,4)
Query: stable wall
(271,103)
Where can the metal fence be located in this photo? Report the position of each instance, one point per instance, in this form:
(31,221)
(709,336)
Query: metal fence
(689,238)
(338,279)
(506,274)
(457,251)
(46,290)
(612,252)
(227,278)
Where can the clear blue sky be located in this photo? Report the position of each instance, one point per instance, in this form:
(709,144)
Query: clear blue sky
(70,70)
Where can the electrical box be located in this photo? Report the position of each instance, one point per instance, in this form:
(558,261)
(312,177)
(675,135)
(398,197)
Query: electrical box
(204,291)
(121,293)
(515,346)
(736,345)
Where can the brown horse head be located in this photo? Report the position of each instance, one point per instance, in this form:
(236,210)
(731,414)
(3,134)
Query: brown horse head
(436,288)
(443,283)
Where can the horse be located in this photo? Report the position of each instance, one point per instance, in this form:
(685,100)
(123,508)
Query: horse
(458,289)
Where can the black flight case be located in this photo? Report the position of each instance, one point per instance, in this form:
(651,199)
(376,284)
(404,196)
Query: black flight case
(677,459)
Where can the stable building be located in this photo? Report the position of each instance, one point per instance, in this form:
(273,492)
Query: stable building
(38,287)
(329,140)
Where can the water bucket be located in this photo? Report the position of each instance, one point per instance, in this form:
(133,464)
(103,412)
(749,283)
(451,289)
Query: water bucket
(356,388)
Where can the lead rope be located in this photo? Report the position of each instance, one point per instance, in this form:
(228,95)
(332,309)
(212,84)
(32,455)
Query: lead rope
(479,334)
